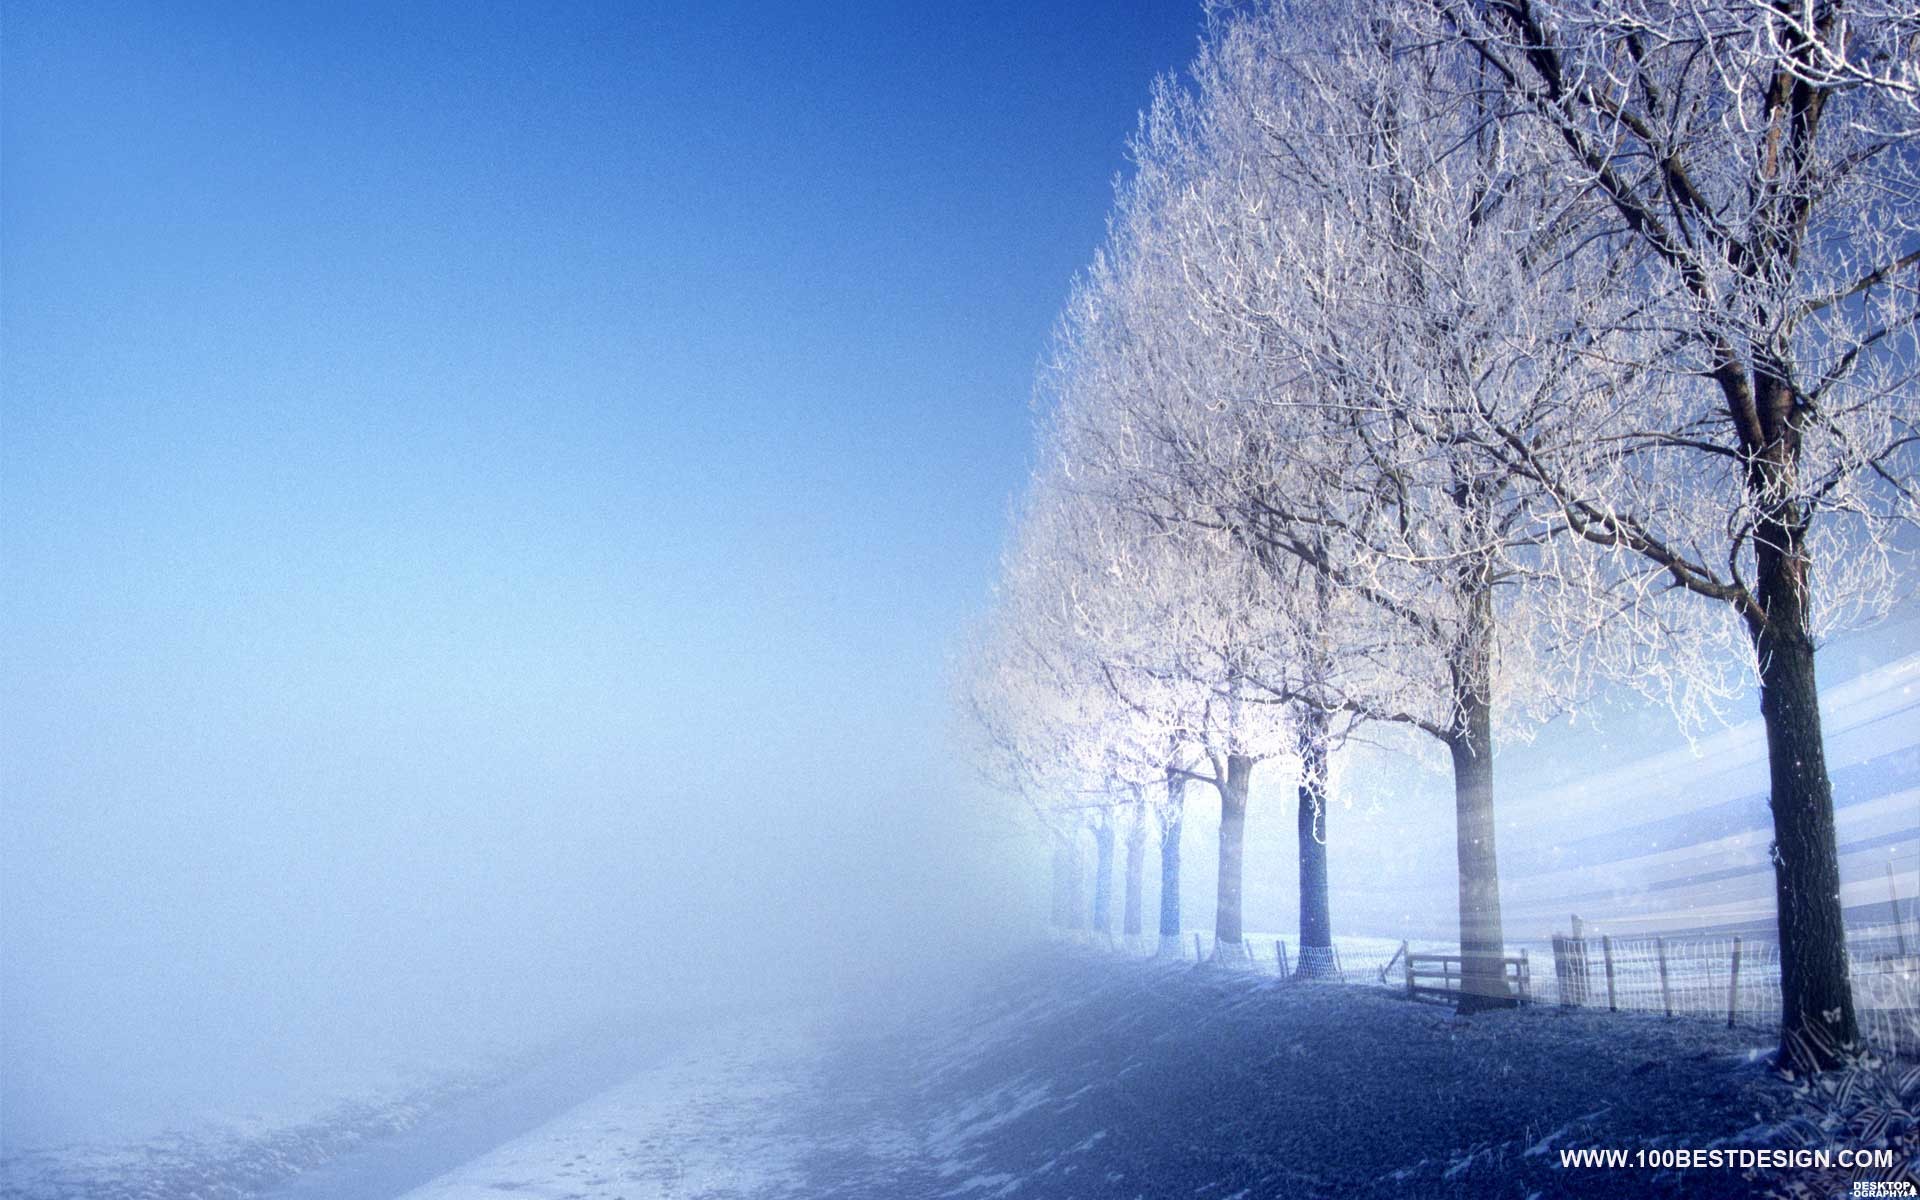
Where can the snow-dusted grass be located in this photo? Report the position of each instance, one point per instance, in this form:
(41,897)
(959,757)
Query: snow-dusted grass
(234,1158)
(1082,1073)
(1090,1074)
(213,1155)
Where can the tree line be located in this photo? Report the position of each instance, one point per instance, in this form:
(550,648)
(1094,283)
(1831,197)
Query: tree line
(1444,363)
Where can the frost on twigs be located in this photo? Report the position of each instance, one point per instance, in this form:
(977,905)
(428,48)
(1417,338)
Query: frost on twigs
(1448,361)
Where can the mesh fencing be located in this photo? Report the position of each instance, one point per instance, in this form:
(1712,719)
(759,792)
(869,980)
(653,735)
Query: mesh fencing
(1735,979)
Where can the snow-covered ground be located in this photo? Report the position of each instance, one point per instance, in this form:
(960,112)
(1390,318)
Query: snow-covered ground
(711,1122)
(1083,1073)
(1090,1074)
(400,1124)
(234,1157)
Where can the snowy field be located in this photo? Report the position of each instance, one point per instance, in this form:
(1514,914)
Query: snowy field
(713,1122)
(397,1125)
(233,1156)
(1098,1077)
(1086,1073)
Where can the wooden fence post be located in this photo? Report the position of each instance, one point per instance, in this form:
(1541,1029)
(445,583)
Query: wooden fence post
(1666,996)
(1197,956)
(1733,983)
(1606,948)
(1893,902)
(1526,978)
(1407,962)
(1280,952)
(1338,970)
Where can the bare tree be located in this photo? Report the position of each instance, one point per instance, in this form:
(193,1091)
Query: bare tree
(1309,284)
(1750,170)
(1176,622)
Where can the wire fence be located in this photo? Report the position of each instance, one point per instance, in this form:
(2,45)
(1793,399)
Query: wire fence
(1736,979)
(1347,960)
(1731,978)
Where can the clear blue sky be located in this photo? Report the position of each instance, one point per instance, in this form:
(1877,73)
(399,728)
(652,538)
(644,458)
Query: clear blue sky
(443,447)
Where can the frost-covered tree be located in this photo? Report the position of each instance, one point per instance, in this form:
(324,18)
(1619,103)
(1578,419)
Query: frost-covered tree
(1322,265)
(1042,687)
(1125,346)
(1172,634)
(1005,737)
(1744,446)
(1136,822)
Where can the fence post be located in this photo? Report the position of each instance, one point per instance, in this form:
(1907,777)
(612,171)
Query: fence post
(1733,983)
(1280,952)
(1569,990)
(1893,902)
(1406,962)
(1338,970)
(1606,948)
(1197,956)
(1666,996)
(1526,978)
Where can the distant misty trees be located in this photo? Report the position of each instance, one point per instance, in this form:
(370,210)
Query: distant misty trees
(1447,359)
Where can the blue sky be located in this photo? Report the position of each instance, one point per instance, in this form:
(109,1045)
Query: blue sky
(458,459)
(636,321)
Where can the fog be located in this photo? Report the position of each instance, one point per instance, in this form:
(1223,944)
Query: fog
(461,575)
(189,947)
(490,500)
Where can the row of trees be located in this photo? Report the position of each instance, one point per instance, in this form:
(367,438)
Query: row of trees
(1444,362)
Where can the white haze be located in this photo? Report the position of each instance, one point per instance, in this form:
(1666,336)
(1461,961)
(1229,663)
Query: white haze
(257,911)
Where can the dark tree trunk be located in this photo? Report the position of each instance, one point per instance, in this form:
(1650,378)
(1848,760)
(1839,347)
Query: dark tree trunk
(1136,868)
(1229,944)
(1316,921)
(1767,416)
(1103,880)
(1817,1023)
(1170,858)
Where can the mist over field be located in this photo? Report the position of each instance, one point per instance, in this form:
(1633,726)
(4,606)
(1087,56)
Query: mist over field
(853,599)
(460,577)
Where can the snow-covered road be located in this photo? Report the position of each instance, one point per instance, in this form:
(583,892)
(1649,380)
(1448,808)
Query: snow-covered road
(489,1118)
(707,1122)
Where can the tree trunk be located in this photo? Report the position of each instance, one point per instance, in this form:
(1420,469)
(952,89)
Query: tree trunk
(1103,880)
(1136,867)
(1170,863)
(1229,943)
(1817,1023)
(1062,898)
(1316,921)
(1076,884)
(1483,982)
(1482,944)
